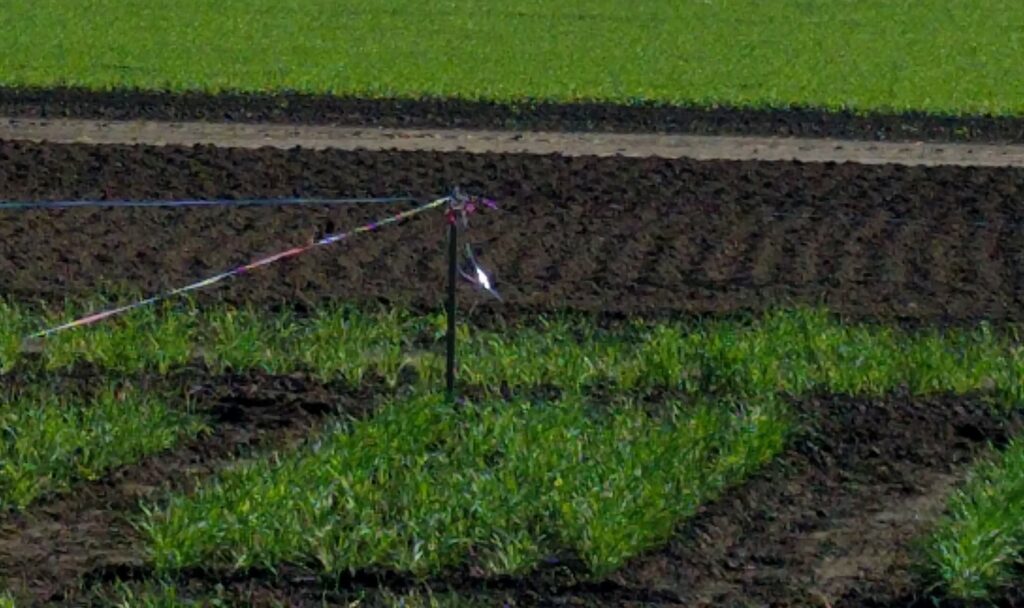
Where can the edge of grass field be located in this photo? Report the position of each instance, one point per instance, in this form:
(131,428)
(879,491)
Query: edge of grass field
(975,549)
(480,112)
(514,103)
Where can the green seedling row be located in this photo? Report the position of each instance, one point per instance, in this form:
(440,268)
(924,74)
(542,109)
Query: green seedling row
(930,55)
(789,351)
(50,439)
(426,486)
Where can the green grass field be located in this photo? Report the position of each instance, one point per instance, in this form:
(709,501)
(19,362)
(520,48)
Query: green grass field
(933,55)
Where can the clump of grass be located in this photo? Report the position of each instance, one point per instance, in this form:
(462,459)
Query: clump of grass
(50,440)
(14,324)
(347,343)
(424,486)
(978,547)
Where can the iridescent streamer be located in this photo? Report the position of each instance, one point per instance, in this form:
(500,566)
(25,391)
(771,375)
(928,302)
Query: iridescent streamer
(460,207)
(294,251)
(475,274)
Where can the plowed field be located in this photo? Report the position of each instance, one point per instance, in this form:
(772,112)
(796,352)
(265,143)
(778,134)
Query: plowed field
(608,235)
(831,521)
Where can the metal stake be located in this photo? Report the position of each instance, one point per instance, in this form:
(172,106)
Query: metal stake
(452,277)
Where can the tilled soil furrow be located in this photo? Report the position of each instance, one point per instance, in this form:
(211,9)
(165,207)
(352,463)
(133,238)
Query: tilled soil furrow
(858,262)
(1014,252)
(725,266)
(987,243)
(812,257)
(47,548)
(791,244)
(672,264)
(767,253)
(626,253)
(944,254)
(895,276)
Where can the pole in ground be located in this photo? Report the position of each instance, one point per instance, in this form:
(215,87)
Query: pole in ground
(452,278)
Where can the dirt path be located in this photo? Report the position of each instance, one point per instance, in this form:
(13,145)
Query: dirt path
(531,142)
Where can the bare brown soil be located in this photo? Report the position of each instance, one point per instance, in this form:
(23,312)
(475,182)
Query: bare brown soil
(609,235)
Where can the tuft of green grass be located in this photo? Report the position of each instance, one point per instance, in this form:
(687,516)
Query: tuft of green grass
(49,440)
(425,486)
(978,547)
(929,55)
(156,338)
(342,342)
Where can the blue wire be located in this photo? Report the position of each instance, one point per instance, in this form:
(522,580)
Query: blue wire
(17,205)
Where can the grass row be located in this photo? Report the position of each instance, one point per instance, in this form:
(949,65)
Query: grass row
(49,440)
(931,55)
(425,487)
(787,352)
